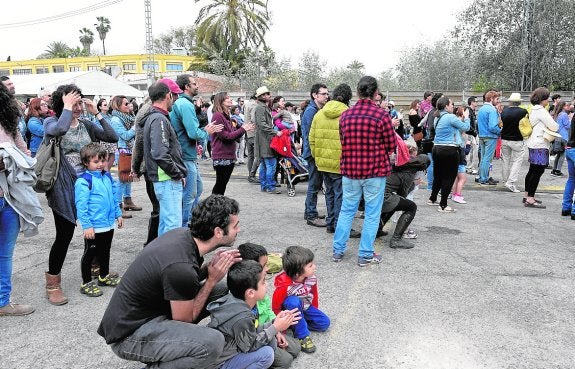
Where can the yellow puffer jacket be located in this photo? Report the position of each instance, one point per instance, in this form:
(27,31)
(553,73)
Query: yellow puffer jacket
(324,140)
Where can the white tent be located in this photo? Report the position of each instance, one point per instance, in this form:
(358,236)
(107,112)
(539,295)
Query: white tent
(92,83)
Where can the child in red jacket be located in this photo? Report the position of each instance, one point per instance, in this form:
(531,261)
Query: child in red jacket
(296,287)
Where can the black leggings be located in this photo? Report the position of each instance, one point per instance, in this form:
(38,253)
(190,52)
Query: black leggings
(405,205)
(532,178)
(98,247)
(223,174)
(445,163)
(154,222)
(64,234)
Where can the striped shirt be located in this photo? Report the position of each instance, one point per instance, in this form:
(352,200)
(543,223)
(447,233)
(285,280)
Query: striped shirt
(367,139)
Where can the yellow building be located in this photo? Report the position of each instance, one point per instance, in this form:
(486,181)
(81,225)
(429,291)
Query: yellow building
(113,64)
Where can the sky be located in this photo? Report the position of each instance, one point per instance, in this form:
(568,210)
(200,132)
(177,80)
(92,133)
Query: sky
(370,31)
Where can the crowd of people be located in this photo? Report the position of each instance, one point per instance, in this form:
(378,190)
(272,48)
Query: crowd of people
(368,160)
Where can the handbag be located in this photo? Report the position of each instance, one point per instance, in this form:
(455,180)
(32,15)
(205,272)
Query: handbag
(558,146)
(125,165)
(47,165)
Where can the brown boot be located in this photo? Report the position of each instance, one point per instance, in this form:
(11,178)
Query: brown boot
(129,205)
(54,291)
(125,214)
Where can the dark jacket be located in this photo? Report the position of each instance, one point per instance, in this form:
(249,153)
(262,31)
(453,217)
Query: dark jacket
(264,131)
(400,182)
(510,117)
(162,150)
(571,141)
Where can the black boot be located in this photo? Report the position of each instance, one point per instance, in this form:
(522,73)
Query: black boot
(397,241)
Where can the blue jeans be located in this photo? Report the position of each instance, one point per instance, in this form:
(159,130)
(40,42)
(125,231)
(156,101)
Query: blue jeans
(124,190)
(568,202)
(333,197)
(262,358)
(169,194)
(314,182)
(487,150)
(372,190)
(311,318)
(9,228)
(192,191)
(267,172)
(430,172)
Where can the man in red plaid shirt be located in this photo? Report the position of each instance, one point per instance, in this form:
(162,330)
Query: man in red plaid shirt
(367,140)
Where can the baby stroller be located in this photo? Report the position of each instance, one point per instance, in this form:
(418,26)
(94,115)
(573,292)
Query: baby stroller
(293,167)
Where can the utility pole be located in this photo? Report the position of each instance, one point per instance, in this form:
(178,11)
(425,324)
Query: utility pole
(526,46)
(149,43)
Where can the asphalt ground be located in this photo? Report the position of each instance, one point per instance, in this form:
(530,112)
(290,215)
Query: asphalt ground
(490,286)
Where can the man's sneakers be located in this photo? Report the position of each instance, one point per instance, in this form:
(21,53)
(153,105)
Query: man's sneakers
(489,182)
(13,309)
(317,222)
(374,259)
(253,180)
(556,173)
(307,345)
(512,188)
(336,258)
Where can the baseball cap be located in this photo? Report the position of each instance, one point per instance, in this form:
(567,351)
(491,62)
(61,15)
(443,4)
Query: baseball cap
(171,85)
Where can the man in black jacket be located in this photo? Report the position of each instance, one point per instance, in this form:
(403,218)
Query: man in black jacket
(512,141)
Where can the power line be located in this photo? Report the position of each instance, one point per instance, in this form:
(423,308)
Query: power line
(53,18)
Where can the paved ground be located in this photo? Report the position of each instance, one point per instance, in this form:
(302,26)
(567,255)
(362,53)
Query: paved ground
(491,286)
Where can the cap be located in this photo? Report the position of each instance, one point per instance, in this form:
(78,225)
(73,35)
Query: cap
(171,85)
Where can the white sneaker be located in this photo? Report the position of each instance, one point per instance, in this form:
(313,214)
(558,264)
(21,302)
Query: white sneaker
(512,188)
(458,199)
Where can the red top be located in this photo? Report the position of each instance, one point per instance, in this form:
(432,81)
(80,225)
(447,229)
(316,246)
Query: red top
(367,139)
(285,287)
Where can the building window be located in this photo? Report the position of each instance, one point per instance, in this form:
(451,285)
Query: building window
(154,66)
(129,66)
(58,69)
(75,68)
(174,67)
(93,67)
(21,71)
(4,72)
(41,70)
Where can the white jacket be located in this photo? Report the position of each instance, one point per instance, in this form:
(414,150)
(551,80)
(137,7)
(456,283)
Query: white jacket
(540,119)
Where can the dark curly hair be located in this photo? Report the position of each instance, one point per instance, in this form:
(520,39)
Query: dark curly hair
(212,212)
(9,112)
(57,102)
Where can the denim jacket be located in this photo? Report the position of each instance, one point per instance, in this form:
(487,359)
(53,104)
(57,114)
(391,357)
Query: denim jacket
(448,128)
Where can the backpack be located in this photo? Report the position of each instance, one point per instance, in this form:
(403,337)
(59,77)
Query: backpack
(88,178)
(525,127)
(47,165)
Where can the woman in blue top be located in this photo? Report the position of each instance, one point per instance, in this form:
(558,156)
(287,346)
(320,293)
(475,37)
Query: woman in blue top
(37,111)
(562,118)
(446,151)
(123,123)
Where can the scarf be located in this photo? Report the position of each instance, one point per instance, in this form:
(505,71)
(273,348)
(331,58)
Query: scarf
(128,121)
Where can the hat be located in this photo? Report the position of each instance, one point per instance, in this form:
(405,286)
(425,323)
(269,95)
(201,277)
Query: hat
(171,85)
(549,135)
(262,90)
(515,97)
(391,102)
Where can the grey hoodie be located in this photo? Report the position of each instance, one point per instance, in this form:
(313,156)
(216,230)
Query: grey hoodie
(235,320)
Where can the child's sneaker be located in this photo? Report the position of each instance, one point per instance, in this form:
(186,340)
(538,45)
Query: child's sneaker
(91,289)
(374,259)
(111,280)
(307,345)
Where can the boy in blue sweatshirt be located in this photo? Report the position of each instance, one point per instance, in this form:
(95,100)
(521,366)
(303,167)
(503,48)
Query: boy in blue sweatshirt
(248,343)
(97,210)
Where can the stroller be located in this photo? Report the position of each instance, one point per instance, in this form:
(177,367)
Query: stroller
(293,167)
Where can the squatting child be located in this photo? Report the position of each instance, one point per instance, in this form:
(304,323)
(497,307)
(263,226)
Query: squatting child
(247,343)
(97,209)
(296,288)
(287,348)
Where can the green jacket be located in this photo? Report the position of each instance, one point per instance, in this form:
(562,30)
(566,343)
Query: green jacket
(324,140)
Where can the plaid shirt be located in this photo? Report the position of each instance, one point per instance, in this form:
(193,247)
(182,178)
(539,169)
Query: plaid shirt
(367,139)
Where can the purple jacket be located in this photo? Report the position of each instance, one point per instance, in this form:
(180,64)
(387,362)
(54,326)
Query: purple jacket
(224,142)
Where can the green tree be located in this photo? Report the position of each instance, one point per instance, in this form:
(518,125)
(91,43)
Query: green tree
(176,37)
(230,27)
(311,70)
(86,39)
(56,49)
(103,27)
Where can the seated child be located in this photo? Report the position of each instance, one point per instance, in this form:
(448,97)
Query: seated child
(296,287)
(287,347)
(282,118)
(248,343)
(97,210)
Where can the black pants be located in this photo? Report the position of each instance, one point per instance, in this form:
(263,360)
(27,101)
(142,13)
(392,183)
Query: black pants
(223,174)
(405,205)
(59,249)
(532,178)
(445,163)
(154,222)
(98,247)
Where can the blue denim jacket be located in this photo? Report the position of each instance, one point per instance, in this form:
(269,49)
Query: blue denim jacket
(447,128)
(488,122)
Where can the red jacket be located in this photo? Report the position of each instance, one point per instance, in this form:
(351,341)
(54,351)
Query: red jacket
(281,283)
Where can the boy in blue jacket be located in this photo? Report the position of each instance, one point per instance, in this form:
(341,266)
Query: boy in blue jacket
(97,209)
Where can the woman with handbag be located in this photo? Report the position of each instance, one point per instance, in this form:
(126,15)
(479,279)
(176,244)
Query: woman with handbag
(562,118)
(104,109)
(74,133)
(224,143)
(123,123)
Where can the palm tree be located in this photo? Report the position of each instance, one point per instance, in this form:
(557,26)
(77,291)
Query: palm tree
(56,49)
(86,39)
(232,25)
(103,28)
